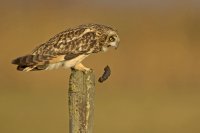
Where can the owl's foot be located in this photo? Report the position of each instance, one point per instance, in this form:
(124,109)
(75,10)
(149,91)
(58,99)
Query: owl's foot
(82,68)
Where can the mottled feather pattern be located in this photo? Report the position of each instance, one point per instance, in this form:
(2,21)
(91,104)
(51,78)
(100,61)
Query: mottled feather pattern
(31,60)
(67,45)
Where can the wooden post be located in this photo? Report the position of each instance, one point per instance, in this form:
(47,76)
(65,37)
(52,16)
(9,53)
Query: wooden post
(81,101)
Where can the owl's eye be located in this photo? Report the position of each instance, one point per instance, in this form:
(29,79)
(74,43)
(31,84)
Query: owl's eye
(111,39)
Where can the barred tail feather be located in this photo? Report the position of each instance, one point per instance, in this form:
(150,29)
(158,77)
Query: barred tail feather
(26,60)
(24,68)
(37,62)
(29,62)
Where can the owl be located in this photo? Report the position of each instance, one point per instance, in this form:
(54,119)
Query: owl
(69,48)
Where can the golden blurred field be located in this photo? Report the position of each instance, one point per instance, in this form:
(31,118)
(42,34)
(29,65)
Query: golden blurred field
(155,81)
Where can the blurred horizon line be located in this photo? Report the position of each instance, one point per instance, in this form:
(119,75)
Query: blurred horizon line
(128,4)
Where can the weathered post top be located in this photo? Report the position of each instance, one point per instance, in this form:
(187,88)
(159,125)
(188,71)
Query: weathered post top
(81,101)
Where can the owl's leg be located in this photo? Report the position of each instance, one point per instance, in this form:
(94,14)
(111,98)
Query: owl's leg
(81,67)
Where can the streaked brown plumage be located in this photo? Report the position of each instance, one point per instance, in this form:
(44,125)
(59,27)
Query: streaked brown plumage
(69,48)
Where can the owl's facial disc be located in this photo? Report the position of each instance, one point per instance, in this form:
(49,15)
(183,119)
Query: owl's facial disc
(113,40)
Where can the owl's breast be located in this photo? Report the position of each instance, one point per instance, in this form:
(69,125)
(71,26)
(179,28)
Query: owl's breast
(67,63)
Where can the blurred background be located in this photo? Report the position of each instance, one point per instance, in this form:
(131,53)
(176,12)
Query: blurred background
(155,81)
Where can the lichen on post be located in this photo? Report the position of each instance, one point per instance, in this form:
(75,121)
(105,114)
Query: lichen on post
(81,101)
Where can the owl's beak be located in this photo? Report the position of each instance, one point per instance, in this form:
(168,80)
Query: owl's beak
(116,47)
(113,46)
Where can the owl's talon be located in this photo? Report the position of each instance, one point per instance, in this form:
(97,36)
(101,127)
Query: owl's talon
(86,70)
(82,68)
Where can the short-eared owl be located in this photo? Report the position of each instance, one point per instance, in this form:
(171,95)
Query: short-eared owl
(68,48)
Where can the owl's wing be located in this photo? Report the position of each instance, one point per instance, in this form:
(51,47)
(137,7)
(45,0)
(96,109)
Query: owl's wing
(59,49)
(71,44)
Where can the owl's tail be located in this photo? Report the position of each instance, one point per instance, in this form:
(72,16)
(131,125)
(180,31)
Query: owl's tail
(29,62)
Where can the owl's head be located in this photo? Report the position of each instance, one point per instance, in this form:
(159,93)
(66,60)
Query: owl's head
(107,35)
(112,39)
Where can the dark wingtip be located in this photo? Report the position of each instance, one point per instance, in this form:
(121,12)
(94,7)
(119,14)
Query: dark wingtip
(16,61)
(21,68)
